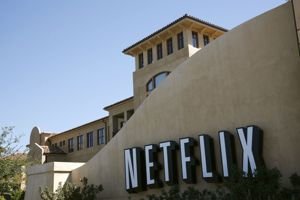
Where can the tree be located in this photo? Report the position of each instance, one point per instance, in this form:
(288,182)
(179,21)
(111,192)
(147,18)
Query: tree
(12,164)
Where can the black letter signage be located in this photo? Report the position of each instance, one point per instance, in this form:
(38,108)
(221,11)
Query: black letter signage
(227,152)
(188,161)
(134,168)
(152,166)
(207,154)
(170,167)
(251,142)
(142,167)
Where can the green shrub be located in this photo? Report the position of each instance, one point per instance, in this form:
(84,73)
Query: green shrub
(72,192)
(264,184)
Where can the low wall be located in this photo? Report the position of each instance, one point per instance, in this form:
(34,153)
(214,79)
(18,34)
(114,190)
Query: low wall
(47,175)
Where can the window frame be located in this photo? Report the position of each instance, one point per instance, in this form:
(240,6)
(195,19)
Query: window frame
(180,40)
(195,39)
(153,80)
(71,145)
(89,139)
(169,44)
(159,51)
(205,40)
(149,56)
(141,60)
(101,139)
(79,142)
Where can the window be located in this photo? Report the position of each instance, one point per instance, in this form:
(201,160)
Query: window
(156,80)
(169,46)
(195,39)
(101,136)
(122,123)
(159,51)
(180,42)
(70,145)
(141,60)
(89,139)
(205,40)
(64,143)
(150,85)
(60,143)
(79,142)
(149,55)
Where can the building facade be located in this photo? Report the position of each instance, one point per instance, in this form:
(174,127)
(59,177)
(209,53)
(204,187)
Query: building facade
(241,90)
(156,56)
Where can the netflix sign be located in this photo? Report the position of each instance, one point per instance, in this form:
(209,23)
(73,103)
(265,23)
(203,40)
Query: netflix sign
(142,168)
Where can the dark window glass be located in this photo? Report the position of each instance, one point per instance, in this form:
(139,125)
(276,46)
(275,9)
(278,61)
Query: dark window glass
(159,51)
(60,143)
(180,42)
(149,55)
(159,78)
(156,80)
(205,40)
(141,60)
(195,39)
(70,145)
(150,85)
(169,46)
(64,143)
(89,139)
(101,136)
(79,142)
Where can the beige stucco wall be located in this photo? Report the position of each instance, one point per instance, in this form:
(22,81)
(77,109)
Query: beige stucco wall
(296,4)
(240,79)
(84,154)
(120,108)
(167,63)
(37,140)
(35,136)
(36,154)
(47,175)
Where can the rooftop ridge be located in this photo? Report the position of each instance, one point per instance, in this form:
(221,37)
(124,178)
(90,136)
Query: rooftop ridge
(172,23)
(101,119)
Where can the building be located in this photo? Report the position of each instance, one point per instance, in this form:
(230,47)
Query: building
(156,56)
(241,90)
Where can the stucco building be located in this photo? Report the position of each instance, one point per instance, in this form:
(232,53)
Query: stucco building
(156,56)
(217,89)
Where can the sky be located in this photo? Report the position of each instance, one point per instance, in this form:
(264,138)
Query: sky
(61,62)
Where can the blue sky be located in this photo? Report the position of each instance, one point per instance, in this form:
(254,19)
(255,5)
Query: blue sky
(61,62)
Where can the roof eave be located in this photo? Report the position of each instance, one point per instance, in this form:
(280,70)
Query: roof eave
(107,108)
(128,49)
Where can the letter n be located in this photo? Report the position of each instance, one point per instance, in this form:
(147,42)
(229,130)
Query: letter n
(134,170)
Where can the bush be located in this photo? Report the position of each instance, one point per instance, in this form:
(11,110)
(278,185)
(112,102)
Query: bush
(72,192)
(264,184)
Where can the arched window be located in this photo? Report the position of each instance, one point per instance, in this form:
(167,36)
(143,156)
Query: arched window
(156,80)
